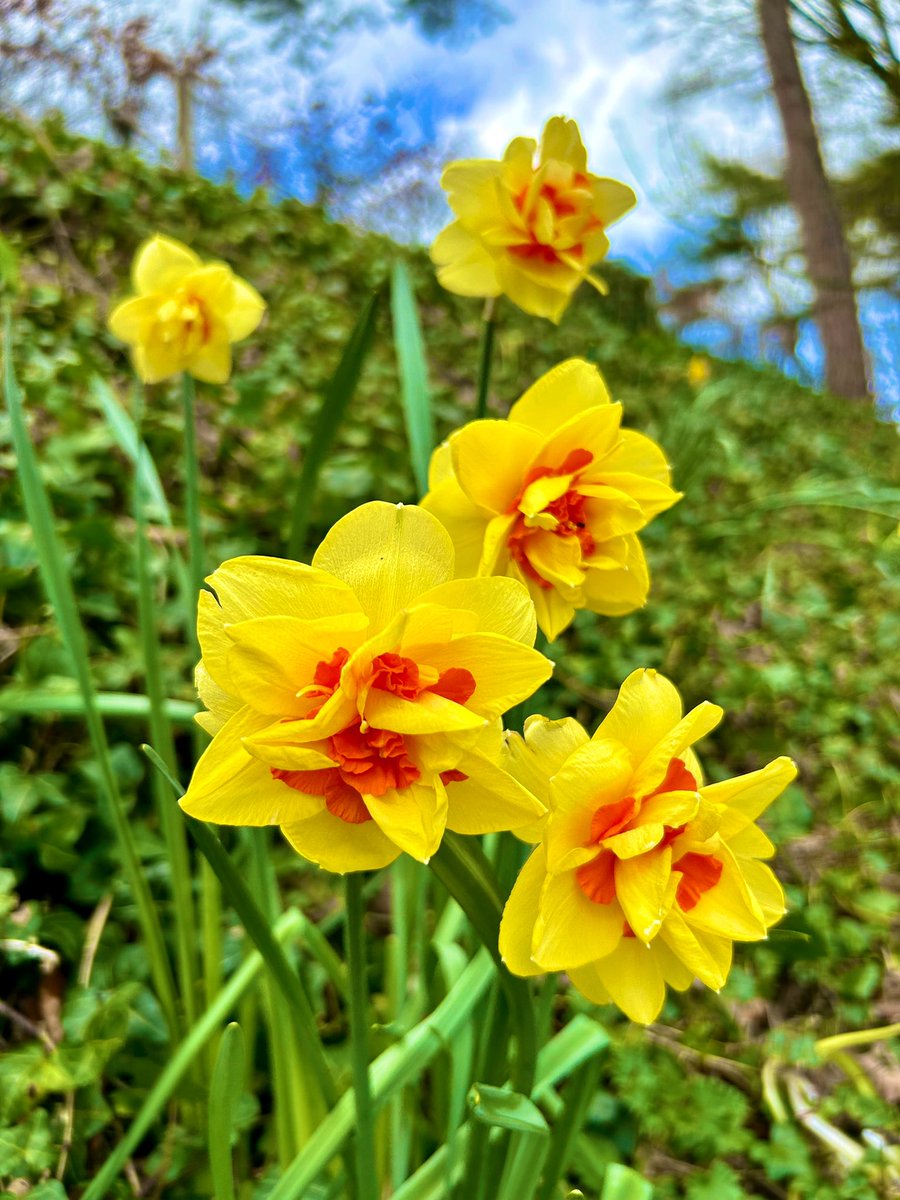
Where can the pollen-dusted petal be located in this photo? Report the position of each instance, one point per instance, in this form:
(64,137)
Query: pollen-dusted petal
(131,320)
(230,787)
(566,390)
(573,930)
(561,139)
(642,890)
(488,800)
(389,554)
(463,264)
(500,605)
(338,846)
(413,817)
(612,199)
(752,794)
(428,713)
(647,708)
(700,721)
(161,263)
(596,774)
(633,977)
(489,458)
(520,917)
(707,956)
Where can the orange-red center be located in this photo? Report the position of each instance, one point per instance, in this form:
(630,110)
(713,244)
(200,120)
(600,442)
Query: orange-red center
(568,511)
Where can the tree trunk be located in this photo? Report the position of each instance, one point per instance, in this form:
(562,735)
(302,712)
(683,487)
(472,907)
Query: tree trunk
(825,248)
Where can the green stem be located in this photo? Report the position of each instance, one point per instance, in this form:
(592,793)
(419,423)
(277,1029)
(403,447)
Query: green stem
(485,359)
(192,487)
(58,585)
(467,875)
(367,1182)
(107,704)
(161,734)
(577,1096)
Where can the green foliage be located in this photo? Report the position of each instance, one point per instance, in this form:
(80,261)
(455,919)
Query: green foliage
(775,593)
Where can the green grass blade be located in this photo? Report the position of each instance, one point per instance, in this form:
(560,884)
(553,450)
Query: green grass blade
(58,586)
(37,702)
(621,1183)
(260,933)
(181,1060)
(576,1098)
(225,1089)
(392,1070)
(334,404)
(354,949)
(413,374)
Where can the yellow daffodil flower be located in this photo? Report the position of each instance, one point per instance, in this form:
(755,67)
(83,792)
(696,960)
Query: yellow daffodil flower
(645,875)
(531,232)
(554,496)
(357,702)
(186,313)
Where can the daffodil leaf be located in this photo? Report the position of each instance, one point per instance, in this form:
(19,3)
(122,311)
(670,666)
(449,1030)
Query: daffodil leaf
(413,374)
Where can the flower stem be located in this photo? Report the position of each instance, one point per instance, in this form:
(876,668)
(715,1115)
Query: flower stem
(192,485)
(484,361)
(465,872)
(359,1039)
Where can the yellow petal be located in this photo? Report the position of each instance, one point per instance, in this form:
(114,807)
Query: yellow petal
(505,672)
(752,794)
(572,930)
(336,845)
(612,199)
(706,956)
(558,560)
(414,817)
(729,908)
(489,800)
(255,586)
(553,611)
(220,704)
(611,513)
(130,321)
(490,459)
(541,299)
(632,975)
(156,360)
(440,468)
(616,592)
(211,363)
(245,311)
(595,775)
(161,263)
(429,713)
(587,981)
(766,889)
(229,787)
(471,186)
(647,709)
(691,728)
(565,391)
(561,139)
(463,264)
(274,658)
(501,606)
(464,521)
(642,890)
(535,758)
(285,743)
(520,917)
(652,496)
(389,554)
(595,430)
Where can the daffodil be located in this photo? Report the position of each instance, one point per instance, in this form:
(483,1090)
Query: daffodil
(529,230)
(186,313)
(356,702)
(644,875)
(554,496)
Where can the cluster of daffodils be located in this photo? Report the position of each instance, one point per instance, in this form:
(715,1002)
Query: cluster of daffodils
(357,702)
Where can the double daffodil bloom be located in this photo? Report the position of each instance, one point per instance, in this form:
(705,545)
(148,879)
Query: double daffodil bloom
(554,496)
(356,702)
(645,875)
(186,313)
(531,231)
